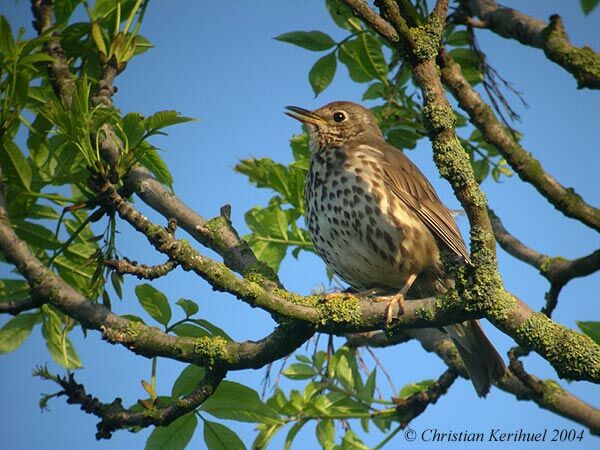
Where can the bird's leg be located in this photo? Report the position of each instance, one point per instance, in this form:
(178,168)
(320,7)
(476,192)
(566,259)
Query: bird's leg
(397,299)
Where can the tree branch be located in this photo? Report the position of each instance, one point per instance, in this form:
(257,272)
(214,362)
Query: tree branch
(549,395)
(58,70)
(529,169)
(557,270)
(142,271)
(583,63)
(216,234)
(415,405)
(15,307)
(115,417)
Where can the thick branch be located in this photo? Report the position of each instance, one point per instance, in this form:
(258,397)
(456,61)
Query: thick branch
(115,417)
(60,75)
(523,163)
(335,314)
(583,63)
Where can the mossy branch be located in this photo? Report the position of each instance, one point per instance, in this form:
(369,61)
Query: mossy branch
(529,169)
(583,63)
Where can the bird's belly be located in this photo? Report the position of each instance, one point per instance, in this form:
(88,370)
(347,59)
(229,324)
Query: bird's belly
(368,238)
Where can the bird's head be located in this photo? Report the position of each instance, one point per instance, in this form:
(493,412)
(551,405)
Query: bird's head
(335,123)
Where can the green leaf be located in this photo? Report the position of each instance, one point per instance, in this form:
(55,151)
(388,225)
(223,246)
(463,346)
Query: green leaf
(15,331)
(322,73)
(588,6)
(299,146)
(342,15)
(413,388)
(142,45)
(189,306)
(349,54)
(133,126)
(238,402)
(326,433)
(14,164)
(372,56)
(310,40)
(352,442)
(63,9)
(469,64)
(187,381)
(374,91)
(481,169)
(156,165)
(175,436)
(13,290)
(36,235)
(7,42)
(154,302)
(265,434)
(592,329)
(163,119)
(220,437)
(458,38)
(298,371)
(58,344)
(189,330)
(213,329)
(293,432)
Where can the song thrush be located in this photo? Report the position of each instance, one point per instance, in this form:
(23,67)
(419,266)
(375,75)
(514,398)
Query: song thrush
(379,224)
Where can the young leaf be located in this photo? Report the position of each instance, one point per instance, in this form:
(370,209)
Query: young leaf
(322,73)
(326,433)
(342,15)
(265,435)
(298,371)
(588,6)
(154,302)
(413,388)
(189,330)
(293,432)
(220,437)
(310,40)
(238,402)
(155,164)
(163,119)
(187,380)
(189,306)
(175,436)
(15,331)
(58,344)
(16,166)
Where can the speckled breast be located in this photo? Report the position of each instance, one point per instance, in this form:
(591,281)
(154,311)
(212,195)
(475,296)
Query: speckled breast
(367,237)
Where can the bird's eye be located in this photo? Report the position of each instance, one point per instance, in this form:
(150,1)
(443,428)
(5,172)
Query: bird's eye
(339,116)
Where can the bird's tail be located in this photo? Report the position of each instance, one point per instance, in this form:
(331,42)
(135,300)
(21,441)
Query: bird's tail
(482,362)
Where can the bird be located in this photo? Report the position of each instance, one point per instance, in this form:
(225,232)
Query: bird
(378,223)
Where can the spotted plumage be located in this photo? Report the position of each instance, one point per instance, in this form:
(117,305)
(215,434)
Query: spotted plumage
(379,224)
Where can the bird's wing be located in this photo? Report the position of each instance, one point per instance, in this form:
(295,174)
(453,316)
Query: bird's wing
(409,184)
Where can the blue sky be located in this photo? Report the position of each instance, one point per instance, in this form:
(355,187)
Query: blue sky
(217,61)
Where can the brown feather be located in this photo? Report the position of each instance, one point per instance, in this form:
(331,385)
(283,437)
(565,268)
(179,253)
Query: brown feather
(409,184)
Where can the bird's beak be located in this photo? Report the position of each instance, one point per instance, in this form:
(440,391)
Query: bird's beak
(304,115)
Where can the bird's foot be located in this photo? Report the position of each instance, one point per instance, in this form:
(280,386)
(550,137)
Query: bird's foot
(393,300)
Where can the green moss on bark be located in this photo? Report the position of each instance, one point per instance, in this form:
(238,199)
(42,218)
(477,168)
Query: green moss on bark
(574,356)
